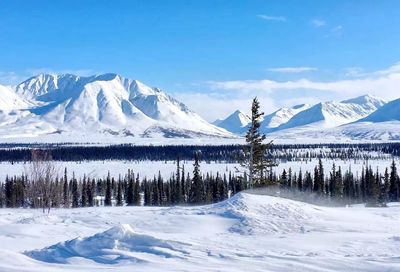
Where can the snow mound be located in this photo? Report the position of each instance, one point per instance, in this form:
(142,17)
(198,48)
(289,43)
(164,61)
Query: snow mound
(117,245)
(265,214)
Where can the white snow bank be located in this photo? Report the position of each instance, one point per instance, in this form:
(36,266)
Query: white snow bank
(120,244)
(257,214)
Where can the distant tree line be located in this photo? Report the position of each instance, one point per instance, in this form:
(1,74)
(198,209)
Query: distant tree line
(207,153)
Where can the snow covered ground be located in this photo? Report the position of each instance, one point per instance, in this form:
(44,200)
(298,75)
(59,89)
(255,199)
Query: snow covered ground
(98,169)
(244,233)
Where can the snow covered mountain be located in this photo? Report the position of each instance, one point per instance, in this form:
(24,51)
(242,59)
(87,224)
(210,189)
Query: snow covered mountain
(361,118)
(389,112)
(332,114)
(72,108)
(235,123)
(382,124)
(281,116)
(107,103)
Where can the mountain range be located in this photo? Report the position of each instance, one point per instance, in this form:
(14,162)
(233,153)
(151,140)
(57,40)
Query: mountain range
(74,108)
(361,118)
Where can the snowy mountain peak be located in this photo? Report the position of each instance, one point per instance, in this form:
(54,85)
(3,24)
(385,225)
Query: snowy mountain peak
(331,114)
(281,116)
(365,100)
(235,123)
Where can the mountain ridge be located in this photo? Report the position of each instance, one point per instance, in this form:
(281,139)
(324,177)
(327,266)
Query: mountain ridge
(100,103)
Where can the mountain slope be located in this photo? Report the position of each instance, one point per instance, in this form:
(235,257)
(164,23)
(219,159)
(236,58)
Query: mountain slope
(105,103)
(281,116)
(332,114)
(235,123)
(389,112)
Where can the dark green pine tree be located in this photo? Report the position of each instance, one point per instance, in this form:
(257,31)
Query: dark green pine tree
(183,185)
(307,182)
(333,182)
(284,180)
(90,192)
(386,184)
(254,156)
(178,188)
(119,193)
(321,178)
(84,194)
(66,190)
(316,182)
(300,181)
(75,192)
(107,199)
(130,191)
(136,191)
(9,193)
(147,192)
(196,188)
(393,183)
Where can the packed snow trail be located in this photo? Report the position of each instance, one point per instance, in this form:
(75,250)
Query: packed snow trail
(244,233)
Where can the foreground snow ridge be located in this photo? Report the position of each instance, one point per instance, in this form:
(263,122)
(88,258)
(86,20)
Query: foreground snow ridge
(120,244)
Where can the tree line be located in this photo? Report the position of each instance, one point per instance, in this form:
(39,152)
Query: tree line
(372,187)
(227,153)
(45,190)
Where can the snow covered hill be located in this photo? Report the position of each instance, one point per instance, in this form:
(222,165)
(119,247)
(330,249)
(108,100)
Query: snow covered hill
(73,105)
(236,122)
(244,233)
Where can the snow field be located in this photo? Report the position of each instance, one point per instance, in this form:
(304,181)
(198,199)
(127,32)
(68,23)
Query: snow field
(244,233)
(99,169)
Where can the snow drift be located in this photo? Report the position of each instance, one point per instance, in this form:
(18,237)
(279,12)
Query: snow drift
(268,215)
(119,244)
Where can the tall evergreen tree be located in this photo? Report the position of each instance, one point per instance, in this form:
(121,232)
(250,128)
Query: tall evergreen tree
(84,194)
(75,192)
(66,201)
(254,157)
(136,191)
(393,183)
(197,188)
(119,193)
(108,196)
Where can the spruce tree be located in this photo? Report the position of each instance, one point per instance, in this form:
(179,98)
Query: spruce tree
(65,190)
(254,157)
(119,193)
(197,189)
(90,192)
(129,191)
(84,194)
(393,183)
(75,192)
(136,191)
(107,199)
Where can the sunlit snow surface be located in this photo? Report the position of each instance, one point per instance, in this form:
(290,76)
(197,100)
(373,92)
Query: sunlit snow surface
(245,233)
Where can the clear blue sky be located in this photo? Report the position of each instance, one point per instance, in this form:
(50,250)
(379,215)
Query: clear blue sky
(188,47)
